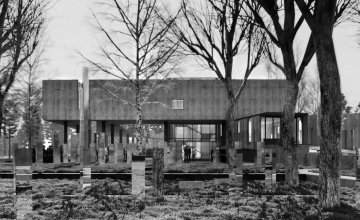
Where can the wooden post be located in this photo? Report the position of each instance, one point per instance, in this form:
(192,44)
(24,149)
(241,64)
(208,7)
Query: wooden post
(158,172)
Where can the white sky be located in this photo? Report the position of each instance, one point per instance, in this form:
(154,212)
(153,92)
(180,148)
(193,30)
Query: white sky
(69,31)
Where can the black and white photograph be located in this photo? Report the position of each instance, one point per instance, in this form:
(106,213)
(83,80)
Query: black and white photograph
(180,109)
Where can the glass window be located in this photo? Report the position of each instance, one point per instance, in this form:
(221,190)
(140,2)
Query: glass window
(212,129)
(277,128)
(179,131)
(269,128)
(187,131)
(299,126)
(205,129)
(250,130)
(262,128)
(196,131)
(177,104)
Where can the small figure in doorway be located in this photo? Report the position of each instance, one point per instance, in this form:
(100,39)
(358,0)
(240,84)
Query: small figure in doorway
(187,152)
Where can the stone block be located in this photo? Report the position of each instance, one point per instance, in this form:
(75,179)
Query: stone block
(236,179)
(65,155)
(56,148)
(239,162)
(23,157)
(128,156)
(92,153)
(23,177)
(101,156)
(39,153)
(138,178)
(73,147)
(259,154)
(191,184)
(111,153)
(218,181)
(86,158)
(120,152)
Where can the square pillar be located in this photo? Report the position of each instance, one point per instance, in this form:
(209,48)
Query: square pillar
(73,147)
(239,161)
(39,152)
(171,154)
(56,147)
(120,152)
(259,154)
(102,148)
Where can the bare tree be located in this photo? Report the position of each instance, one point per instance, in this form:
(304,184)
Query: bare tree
(321,23)
(356,18)
(308,100)
(28,93)
(216,32)
(21,29)
(282,38)
(282,33)
(137,51)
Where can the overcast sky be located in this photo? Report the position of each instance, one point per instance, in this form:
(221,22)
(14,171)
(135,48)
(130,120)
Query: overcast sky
(69,31)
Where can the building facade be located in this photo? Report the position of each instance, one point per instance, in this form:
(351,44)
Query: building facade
(186,112)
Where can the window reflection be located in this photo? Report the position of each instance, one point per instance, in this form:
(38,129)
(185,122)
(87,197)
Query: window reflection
(200,137)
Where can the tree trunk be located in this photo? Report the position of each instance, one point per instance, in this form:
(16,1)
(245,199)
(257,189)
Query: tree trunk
(2,131)
(139,125)
(158,172)
(287,134)
(330,123)
(230,135)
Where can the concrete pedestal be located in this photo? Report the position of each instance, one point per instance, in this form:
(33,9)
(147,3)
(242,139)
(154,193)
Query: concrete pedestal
(39,153)
(178,152)
(138,178)
(101,156)
(111,153)
(120,152)
(65,153)
(171,154)
(259,154)
(73,148)
(92,153)
(239,162)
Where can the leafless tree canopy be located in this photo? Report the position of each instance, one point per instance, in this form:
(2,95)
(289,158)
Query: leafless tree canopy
(136,46)
(22,23)
(136,49)
(218,31)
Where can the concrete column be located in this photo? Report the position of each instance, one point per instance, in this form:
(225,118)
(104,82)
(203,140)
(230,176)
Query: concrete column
(171,154)
(131,148)
(102,148)
(56,147)
(178,152)
(259,154)
(120,152)
(84,120)
(93,142)
(39,153)
(163,145)
(128,154)
(73,146)
(239,161)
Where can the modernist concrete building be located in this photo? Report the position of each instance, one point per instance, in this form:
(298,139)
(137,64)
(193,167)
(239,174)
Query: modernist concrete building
(187,112)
